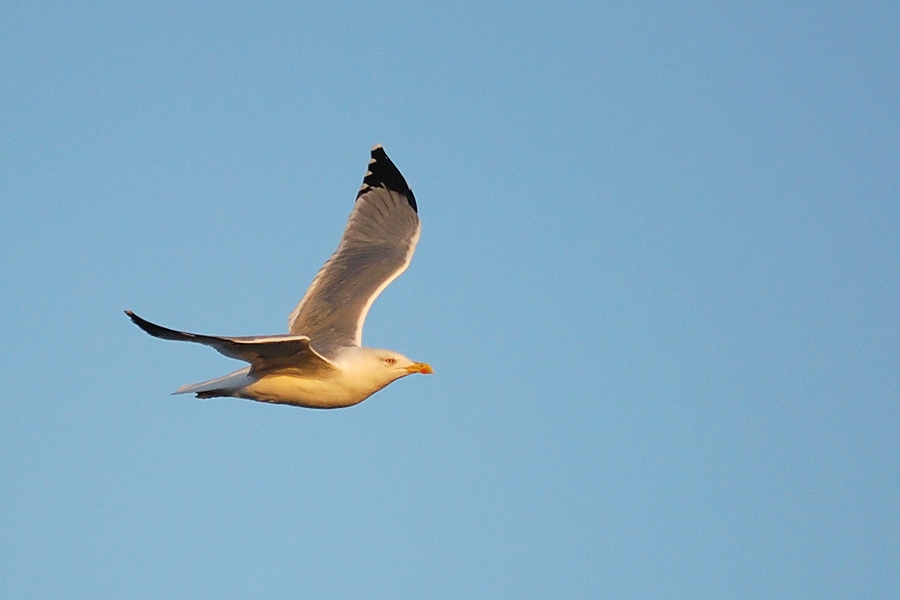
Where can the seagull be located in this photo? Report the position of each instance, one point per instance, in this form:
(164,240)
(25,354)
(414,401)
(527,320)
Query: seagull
(321,362)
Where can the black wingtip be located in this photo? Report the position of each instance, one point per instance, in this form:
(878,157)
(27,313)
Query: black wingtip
(383,173)
(161,332)
(151,328)
(142,323)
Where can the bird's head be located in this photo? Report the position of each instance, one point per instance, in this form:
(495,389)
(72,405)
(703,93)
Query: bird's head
(394,365)
(373,368)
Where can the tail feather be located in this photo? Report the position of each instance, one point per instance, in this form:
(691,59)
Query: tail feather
(225,385)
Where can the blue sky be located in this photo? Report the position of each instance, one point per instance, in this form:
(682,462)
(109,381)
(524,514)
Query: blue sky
(658,281)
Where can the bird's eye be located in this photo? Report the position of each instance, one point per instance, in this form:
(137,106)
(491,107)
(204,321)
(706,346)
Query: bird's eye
(389,361)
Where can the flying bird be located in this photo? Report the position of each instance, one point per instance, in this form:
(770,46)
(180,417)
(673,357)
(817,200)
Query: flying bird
(321,362)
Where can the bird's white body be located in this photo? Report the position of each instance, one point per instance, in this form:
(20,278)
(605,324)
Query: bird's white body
(358,373)
(337,392)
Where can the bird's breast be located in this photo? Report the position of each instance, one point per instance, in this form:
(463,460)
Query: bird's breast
(308,392)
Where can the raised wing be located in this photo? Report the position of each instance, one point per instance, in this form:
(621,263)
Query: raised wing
(376,247)
(265,354)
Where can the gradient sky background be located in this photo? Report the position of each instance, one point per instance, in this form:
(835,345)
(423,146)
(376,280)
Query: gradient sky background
(658,282)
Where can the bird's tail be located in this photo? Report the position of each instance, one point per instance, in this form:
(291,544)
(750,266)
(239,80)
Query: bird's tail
(225,385)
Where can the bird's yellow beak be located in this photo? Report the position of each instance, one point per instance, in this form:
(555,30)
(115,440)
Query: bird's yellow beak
(420,368)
